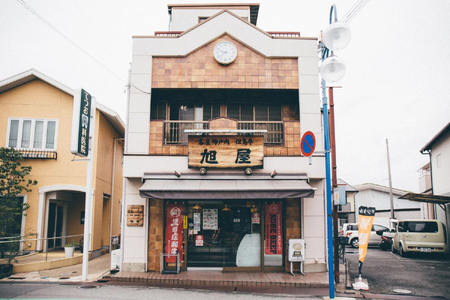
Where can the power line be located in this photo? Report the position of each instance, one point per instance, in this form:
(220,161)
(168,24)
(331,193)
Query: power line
(354,10)
(24,4)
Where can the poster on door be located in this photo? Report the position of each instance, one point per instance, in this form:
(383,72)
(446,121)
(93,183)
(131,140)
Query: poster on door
(210,219)
(174,230)
(273,239)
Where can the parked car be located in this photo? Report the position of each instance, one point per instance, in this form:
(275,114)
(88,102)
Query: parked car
(415,235)
(350,230)
(386,240)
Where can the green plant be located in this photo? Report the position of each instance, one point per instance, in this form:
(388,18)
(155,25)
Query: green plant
(12,207)
(71,244)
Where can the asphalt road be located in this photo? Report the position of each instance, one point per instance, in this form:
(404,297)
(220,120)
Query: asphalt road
(421,274)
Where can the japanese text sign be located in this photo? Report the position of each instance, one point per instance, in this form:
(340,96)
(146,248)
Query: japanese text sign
(226,151)
(81,123)
(273,233)
(174,230)
(365,221)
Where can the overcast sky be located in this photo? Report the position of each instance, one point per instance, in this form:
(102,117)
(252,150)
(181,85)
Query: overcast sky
(395,88)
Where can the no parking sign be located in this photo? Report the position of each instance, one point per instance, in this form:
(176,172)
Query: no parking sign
(308,143)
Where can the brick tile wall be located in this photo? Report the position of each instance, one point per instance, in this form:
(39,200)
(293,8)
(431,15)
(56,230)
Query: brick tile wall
(155,234)
(249,70)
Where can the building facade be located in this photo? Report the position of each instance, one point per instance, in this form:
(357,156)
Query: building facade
(378,196)
(213,167)
(36,119)
(438,171)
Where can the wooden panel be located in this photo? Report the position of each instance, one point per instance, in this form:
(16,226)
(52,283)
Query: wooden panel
(226,151)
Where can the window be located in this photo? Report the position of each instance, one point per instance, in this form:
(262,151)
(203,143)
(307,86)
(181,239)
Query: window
(32,134)
(259,112)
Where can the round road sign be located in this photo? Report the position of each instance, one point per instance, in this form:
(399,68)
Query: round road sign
(308,143)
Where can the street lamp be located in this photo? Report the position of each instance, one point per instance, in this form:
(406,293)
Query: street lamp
(335,37)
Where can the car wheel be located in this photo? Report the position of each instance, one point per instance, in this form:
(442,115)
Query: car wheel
(355,243)
(401,252)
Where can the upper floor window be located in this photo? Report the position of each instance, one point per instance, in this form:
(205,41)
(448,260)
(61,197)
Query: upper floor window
(32,134)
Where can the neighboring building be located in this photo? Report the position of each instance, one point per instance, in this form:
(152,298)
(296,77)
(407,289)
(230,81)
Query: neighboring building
(438,149)
(378,196)
(36,119)
(213,166)
(346,213)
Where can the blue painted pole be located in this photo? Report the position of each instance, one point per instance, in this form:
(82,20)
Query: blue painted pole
(326,131)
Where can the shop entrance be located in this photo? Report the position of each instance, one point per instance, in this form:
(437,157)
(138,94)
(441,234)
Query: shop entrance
(224,234)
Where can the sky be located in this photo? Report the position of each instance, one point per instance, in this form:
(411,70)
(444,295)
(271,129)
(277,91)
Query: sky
(395,86)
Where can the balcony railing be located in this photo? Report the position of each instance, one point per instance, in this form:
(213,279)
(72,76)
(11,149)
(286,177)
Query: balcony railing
(174,130)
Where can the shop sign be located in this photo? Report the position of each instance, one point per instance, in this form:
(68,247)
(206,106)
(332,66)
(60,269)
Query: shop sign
(210,219)
(81,123)
(199,240)
(226,151)
(135,215)
(273,233)
(174,230)
(255,218)
(296,250)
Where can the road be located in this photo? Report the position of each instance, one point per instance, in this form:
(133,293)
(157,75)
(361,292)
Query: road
(421,274)
(123,292)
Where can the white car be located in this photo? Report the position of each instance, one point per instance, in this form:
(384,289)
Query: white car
(350,230)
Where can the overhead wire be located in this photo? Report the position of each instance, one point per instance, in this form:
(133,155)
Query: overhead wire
(128,85)
(357,7)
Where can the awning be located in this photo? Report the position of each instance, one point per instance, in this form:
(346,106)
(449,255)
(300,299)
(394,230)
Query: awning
(225,187)
(426,198)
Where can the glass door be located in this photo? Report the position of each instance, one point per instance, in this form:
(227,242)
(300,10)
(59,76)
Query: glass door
(224,234)
(55,225)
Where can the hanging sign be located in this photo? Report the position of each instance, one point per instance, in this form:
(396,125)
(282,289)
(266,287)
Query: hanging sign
(273,233)
(174,230)
(225,151)
(81,123)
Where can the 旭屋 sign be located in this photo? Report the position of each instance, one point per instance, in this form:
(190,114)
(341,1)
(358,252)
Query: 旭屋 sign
(81,123)
(226,151)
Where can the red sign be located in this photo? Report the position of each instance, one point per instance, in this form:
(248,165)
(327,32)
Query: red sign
(199,240)
(174,230)
(273,233)
(255,218)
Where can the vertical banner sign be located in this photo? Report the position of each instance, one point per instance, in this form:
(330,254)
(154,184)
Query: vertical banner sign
(81,122)
(273,233)
(174,230)
(365,220)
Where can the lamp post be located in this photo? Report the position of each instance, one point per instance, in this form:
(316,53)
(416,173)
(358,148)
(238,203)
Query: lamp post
(335,37)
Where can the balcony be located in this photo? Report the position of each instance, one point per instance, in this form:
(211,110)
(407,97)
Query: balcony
(174,130)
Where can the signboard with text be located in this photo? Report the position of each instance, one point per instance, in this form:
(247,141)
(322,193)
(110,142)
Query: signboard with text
(81,123)
(174,230)
(227,151)
(273,239)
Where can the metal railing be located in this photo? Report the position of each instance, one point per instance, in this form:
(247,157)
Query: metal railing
(174,130)
(22,240)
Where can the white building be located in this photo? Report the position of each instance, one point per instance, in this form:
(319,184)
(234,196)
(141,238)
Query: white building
(213,167)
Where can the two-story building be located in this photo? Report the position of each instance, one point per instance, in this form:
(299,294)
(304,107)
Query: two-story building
(213,167)
(36,119)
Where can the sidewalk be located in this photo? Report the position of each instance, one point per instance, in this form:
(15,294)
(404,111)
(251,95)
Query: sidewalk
(69,273)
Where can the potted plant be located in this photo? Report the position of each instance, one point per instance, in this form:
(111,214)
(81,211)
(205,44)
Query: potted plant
(70,249)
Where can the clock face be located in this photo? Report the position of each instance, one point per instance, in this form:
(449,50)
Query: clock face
(225,52)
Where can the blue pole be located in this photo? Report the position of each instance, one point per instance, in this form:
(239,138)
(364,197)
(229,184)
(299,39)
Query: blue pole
(326,130)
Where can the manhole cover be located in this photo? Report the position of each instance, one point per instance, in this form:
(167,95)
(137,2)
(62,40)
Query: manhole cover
(89,287)
(401,291)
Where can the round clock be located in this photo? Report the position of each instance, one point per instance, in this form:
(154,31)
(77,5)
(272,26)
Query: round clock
(225,52)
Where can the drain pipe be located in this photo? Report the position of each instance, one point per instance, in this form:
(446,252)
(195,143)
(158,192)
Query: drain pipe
(112,191)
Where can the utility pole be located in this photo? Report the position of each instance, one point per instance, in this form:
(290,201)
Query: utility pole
(390,181)
(334,184)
